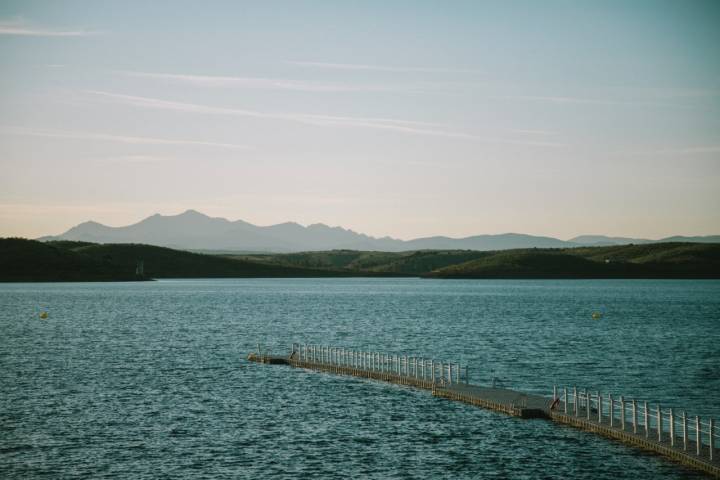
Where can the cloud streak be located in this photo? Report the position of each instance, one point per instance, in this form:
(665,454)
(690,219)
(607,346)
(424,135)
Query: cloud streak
(403,126)
(686,151)
(585,101)
(115,138)
(22,29)
(265,83)
(379,68)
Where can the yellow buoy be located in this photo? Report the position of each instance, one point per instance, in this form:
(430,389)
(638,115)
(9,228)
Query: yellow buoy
(43,315)
(596,315)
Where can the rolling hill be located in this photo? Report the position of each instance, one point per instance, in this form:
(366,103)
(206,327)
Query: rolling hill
(29,260)
(24,260)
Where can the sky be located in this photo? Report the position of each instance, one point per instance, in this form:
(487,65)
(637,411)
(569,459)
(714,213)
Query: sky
(400,118)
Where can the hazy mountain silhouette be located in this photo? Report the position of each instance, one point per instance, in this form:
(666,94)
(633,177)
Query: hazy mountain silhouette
(195,231)
(602,240)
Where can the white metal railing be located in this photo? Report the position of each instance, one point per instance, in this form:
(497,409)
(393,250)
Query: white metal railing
(404,366)
(665,425)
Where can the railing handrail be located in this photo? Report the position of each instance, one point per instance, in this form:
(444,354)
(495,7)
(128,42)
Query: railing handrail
(410,366)
(670,424)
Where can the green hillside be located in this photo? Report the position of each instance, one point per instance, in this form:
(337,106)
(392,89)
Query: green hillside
(29,260)
(24,260)
(388,263)
(666,260)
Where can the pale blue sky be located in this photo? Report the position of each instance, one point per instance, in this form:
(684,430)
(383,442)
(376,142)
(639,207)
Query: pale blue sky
(391,118)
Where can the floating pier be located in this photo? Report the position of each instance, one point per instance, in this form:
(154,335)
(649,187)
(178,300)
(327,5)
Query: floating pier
(691,441)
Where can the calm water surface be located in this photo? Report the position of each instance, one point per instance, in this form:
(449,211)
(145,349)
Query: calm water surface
(149,380)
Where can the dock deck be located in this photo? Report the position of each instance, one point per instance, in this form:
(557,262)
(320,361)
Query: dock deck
(684,439)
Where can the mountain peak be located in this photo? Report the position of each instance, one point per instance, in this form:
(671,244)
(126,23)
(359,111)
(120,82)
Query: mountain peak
(192,213)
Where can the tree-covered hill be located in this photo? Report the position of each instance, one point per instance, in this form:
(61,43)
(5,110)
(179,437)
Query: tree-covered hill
(24,260)
(29,260)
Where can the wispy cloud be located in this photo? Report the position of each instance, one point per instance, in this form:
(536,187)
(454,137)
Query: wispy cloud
(313,119)
(684,151)
(586,101)
(404,126)
(123,159)
(18,27)
(380,68)
(577,100)
(9,130)
(267,83)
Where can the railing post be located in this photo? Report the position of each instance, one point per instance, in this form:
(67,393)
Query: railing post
(457,374)
(565,399)
(611,404)
(422,368)
(672,428)
(554,393)
(600,402)
(698,436)
(467,376)
(647,421)
(432,371)
(587,406)
(634,415)
(622,413)
(659,423)
(449,373)
(711,438)
(684,430)
(575,401)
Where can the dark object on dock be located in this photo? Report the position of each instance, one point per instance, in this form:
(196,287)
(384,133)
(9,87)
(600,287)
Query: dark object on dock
(270,359)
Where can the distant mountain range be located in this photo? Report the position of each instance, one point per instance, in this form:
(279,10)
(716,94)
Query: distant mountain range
(193,230)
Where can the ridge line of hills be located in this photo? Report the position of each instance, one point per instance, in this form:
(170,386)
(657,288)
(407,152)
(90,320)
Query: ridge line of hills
(192,230)
(23,260)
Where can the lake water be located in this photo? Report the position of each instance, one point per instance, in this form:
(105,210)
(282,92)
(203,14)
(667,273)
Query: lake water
(149,380)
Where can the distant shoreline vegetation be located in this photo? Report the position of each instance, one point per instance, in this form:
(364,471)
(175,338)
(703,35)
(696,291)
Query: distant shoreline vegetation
(23,260)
